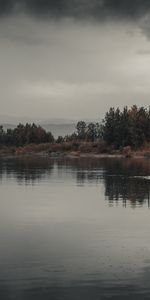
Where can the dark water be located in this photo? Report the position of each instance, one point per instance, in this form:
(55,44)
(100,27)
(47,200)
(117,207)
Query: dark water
(74,229)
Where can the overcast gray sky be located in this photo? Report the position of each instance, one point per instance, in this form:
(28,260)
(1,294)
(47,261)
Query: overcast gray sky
(73,59)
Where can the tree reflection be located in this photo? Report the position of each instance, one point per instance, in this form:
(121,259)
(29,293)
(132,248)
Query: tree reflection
(125,180)
(128,180)
(26,169)
(135,190)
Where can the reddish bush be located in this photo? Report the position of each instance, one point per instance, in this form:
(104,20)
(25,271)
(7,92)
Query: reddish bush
(127,151)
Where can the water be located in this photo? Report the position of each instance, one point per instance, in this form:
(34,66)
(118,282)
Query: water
(74,229)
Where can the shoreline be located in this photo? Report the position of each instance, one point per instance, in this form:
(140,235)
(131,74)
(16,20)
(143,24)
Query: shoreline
(75,155)
(73,150)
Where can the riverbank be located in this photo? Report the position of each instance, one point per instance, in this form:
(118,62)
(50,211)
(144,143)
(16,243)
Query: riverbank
(75,150)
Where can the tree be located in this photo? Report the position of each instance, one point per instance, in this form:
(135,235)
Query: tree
(91,131)
(60,140)
(81,130)
(2,134)
(131,127)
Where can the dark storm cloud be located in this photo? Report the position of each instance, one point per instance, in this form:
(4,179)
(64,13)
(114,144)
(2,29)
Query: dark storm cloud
(52,7)
(126,8)
(98,9)
(6,6)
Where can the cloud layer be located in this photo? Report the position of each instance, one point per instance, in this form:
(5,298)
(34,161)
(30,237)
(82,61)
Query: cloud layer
(66,68)
(99,9)
(58,60)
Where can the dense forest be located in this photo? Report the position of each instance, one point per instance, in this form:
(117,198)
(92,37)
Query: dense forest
(129,127)
(119,129)
(24,135)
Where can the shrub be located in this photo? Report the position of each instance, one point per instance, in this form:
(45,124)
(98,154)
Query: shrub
(127,151)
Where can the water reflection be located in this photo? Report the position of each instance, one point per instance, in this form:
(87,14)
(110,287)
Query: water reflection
(59,238)
(128,189)
(126,180)
(28,170)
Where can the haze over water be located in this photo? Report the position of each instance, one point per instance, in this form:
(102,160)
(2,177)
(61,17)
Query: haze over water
(74,229)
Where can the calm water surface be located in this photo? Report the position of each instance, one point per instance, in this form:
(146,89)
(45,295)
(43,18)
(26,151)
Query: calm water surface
(74,229)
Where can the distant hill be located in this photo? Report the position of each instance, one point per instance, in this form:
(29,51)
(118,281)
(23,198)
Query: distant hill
(60,129)
(11,120)
(6,119)
(57,126)
(57,121)
(55,129)
(8,126)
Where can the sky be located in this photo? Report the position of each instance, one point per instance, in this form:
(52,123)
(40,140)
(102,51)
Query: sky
(73,59)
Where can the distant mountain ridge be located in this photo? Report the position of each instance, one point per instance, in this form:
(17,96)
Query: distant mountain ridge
(7,119)
(57,126)
(55,129)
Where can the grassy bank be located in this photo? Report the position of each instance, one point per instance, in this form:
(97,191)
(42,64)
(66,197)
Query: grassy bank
(77,149)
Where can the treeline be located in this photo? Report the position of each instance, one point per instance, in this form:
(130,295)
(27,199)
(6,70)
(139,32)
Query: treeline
(84,132)
(118,129)
(129,127)
(24,135)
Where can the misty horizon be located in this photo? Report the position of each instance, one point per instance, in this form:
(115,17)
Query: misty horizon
(8,119)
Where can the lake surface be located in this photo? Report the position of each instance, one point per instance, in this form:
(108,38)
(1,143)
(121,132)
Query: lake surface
(74,229)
